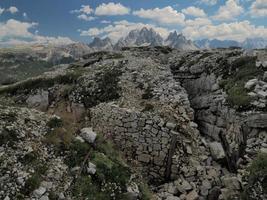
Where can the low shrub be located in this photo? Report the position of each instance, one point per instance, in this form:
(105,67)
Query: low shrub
(55,122)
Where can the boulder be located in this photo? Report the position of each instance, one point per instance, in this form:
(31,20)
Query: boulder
(88,135)
(193,195)
(231,183)
(39,101)
(251,83)
(217,151)
(39,192)
(91,169)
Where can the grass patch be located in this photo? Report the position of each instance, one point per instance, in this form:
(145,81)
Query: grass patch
(55,122)
(145,191)
(35,180)
(241,71)
(8,137)
(77,152)
(41,82)
(105,87)
(257,178)
(60,138)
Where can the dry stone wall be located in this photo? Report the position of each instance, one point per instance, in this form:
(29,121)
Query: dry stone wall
(142,137)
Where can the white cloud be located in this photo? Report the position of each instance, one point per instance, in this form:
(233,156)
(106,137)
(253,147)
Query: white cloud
(259,8)
(226,31)
(25,16)
(84,13)
(209,2)
(194,11)
(166,15)
(13,32)
(229,11)
(120,29)
(198,22)
(105,22)
(85,9)
(1,10)
(13,10)
(112,9)
(86,17)
(14,28)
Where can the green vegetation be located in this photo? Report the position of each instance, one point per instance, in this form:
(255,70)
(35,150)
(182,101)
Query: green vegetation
(257,177)
(77,153)
(60,138)
(35,180)
(8,137)
(258,170)
(145,191)
(41,82)
(241,71)
(105,87)
(112,174)
(55,122)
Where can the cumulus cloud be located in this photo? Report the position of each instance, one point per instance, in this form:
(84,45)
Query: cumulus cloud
(209,2)
(166,15)
(229,11)
(198,22)
(12,10)
(14,32)
(105,22)
(112,9)
(120,29)
(86,17)
(238,31)
(1,10)
(14,28)
(86,9)
(194,11)
(84,13)
(259,8)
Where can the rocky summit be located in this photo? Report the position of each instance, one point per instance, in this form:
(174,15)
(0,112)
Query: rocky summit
(138,123)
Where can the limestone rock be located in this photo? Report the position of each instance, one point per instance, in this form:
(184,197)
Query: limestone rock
(88,135)
(39,192)
(193,195)
(91,169)
(217,150)
(39,100)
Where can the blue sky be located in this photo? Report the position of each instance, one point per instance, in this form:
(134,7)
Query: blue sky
(64,21)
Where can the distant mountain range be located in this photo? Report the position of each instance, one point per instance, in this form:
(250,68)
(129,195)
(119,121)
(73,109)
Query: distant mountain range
(149,37)
(145,37)
(249,43)
(140,37)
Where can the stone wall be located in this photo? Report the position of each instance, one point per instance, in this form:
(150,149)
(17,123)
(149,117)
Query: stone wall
(140,136)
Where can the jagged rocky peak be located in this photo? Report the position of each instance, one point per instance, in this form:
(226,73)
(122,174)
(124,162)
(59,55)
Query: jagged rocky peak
(179,41)
(141,37)
(100,44)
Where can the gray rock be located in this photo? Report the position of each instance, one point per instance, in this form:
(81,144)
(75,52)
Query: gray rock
(231,183)
(88,135)
(257,121)
(172,198)
(193,195)
(144,158)
(251,83)
(39,192)
(39,100)
(217,150)
(91,169)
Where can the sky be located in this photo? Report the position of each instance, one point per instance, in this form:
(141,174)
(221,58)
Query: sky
(67,21)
